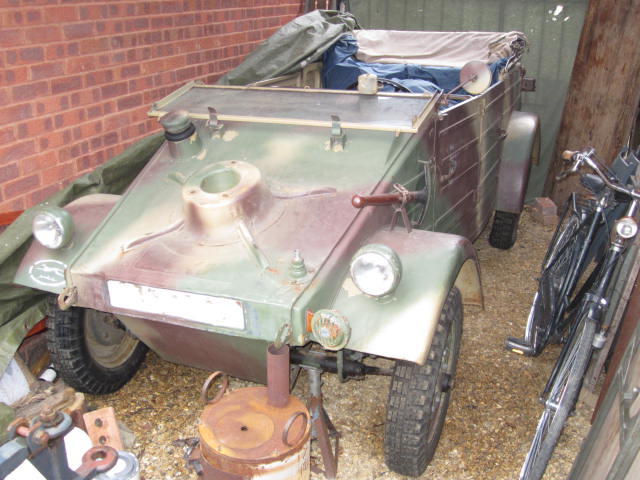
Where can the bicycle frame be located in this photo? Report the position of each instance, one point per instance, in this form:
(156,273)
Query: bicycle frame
(595,302)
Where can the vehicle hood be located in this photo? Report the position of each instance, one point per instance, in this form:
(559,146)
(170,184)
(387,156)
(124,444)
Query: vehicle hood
(287,190)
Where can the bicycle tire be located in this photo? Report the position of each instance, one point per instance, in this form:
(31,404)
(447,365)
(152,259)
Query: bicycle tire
(561,400)
(559,261)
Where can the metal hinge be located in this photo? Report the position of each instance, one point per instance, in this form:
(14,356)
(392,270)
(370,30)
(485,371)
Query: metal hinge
(528,84)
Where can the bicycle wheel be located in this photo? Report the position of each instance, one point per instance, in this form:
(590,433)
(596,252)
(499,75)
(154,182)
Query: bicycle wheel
(561,400)
(550,299)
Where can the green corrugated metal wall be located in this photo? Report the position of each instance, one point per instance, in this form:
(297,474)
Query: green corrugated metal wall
(553,29)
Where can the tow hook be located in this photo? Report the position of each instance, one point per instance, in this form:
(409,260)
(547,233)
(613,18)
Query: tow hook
(68,298)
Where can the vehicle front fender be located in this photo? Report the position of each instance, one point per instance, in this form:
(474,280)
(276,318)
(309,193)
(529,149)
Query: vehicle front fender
(521,149)
(401,325)
(43,268)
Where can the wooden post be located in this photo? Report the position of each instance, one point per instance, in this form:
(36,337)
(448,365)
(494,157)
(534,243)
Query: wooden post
(604,91)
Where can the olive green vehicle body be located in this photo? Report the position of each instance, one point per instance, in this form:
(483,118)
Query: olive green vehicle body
(235,243)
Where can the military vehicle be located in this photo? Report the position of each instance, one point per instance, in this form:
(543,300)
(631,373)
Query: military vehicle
(332,207)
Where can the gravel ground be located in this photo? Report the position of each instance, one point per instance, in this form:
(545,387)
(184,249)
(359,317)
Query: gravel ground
(491,419)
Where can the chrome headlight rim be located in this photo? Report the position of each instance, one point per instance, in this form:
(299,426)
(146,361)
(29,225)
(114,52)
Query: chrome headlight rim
(53,218)
(388,257)
(626,227)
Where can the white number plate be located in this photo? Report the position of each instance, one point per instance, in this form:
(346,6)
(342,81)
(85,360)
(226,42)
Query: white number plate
(215,311)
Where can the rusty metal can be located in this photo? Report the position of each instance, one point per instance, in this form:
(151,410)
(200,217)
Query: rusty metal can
(243,436)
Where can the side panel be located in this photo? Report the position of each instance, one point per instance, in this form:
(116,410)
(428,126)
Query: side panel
(201,348)
(402,325)
(521,149)
(457,168)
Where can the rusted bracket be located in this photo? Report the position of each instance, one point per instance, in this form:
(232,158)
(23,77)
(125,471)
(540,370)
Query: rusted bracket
(338,137)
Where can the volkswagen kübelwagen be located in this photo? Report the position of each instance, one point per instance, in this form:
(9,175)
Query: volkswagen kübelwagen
(334,207)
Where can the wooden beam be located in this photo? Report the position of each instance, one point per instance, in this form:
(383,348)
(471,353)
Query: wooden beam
(604,91)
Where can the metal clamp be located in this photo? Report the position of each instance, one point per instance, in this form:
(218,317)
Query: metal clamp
(204,394)
(400,209)
(338,137)
(283,336)
(213,123)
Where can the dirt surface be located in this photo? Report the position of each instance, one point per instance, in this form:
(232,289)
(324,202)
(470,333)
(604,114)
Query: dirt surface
(491,420)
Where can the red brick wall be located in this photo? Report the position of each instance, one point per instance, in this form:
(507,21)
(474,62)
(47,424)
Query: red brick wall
(77,77)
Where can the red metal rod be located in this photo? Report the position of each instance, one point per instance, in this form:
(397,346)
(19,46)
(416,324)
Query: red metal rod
(360,201)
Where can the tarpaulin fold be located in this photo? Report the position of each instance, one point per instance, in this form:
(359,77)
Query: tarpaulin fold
(297,44)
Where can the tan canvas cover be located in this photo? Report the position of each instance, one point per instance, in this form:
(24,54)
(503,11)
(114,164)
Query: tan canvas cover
(446,49)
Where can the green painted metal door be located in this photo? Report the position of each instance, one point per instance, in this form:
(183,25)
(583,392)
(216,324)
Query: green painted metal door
(553,29)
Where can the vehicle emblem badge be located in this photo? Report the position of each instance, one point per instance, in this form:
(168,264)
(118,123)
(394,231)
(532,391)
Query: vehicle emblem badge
(48,272)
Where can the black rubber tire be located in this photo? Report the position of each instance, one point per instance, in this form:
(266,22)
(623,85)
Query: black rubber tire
(564,394)
(419,396)
(504,230)
(67,340)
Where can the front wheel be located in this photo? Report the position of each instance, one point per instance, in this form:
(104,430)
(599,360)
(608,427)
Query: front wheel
(91,350)
(561,400)
(419,396)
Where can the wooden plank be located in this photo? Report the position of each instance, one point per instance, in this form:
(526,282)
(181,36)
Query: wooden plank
(604,90)
(627,327)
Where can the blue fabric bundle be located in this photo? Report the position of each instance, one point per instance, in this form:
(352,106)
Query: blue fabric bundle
(341,70)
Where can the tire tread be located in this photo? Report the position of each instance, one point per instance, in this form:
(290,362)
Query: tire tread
(72,360)
(412,391)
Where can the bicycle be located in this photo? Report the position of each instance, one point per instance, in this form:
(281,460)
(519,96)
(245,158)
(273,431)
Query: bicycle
(588,325)
(581,234)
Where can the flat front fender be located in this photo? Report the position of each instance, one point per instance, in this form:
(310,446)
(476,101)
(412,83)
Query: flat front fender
(521,149)
(402,325)
(43,268)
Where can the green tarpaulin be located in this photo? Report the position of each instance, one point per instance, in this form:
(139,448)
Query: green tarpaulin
(295,45)
(20,307)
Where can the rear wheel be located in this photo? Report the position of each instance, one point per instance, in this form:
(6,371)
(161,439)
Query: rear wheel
(504,230)
(553,296)
(419,396)
(91,350)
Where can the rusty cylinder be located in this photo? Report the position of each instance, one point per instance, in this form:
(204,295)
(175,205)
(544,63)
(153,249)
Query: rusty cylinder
(278,375)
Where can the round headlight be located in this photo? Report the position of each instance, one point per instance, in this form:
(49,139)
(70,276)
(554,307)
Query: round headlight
(53,227)
(376,270)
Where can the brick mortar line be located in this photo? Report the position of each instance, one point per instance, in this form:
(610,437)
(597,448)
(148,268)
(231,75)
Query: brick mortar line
(123,50)
(112,82)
